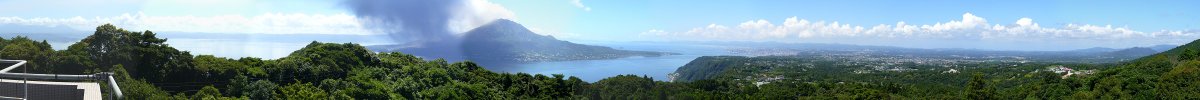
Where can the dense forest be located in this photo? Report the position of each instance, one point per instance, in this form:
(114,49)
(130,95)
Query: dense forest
(149,69)
(906,80)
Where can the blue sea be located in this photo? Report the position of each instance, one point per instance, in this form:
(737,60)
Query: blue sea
(595,70)
(588,70)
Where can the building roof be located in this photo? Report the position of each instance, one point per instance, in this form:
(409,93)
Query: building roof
(45,90)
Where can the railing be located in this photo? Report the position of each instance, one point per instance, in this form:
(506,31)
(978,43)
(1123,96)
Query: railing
(98,76)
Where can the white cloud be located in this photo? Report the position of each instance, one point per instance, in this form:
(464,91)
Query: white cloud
(1024,22)
(268,23)
(477,13)
(579,3)
(970,27)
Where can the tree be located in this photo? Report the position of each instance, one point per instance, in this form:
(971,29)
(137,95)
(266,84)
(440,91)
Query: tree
(1189,54)
(145,55)
(344,71)
(207,93)
(23,48)
(136,89)
(74,62)
(460,91)
(304,91)
(979,89)
(238,85)
(625,87)
(260,90)
(1181,82)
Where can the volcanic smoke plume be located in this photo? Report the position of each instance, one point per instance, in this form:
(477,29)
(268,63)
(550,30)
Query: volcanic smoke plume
(408,21)
(421,26)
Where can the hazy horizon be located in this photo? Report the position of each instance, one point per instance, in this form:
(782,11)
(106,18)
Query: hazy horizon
(270,28)
(600,49)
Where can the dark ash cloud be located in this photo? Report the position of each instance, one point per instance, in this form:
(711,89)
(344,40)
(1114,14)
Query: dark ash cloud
(414,22)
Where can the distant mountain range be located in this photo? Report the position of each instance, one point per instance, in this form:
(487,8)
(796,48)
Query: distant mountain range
(1156,48)
(1088,55)
(505,40)
(810,55)
(1095,49)
(1163,48)
(1133,52)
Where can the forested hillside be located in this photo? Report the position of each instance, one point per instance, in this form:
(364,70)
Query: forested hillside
(148,69)
(1174,74)
(1169,75)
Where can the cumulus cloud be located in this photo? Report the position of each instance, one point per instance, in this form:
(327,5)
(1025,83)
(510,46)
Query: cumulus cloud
(970,27)
(268,23)
(1024,22)
(579,3)
(477,13)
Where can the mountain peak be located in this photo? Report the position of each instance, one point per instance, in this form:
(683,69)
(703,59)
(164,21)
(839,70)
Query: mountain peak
(503,24)
(507,26)
(505,40)
(501,28)
(504,21)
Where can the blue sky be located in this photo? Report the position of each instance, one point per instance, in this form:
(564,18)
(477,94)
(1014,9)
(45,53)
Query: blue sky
(628,16)
(1048,25)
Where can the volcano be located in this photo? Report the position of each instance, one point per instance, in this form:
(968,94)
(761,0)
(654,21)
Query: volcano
(508,41)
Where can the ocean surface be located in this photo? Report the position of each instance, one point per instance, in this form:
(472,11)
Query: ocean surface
(588,70)
(594,70)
